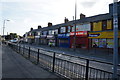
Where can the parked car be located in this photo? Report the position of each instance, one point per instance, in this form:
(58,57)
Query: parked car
(14,40)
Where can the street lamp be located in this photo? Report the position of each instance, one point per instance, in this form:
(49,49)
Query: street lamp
(4,26)
(115,25)
(74,43)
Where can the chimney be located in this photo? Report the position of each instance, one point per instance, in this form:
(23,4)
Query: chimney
(82,16)
(39,26)
(49,24)
(66,20)
(31,29)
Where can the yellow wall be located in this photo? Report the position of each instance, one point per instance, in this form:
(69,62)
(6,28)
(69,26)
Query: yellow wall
(109,24)
(97,26)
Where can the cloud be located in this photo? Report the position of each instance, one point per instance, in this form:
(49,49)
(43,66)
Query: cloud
(88,4)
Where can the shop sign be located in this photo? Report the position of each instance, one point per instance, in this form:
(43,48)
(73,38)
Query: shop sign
(30,37)
(79,33)
(43,36)
(63,35)
(50,36)
(105,34)
(94,35)
(37,36)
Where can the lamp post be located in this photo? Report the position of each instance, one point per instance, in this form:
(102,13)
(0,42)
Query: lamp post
(74,43)
(4,26)
(115,25)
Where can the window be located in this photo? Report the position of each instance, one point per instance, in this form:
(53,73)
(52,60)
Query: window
(56,31)
(50,32)
(53,31)
(44,32)
(104,25)
(38,33)
(69,28)
(62,29)
(97,26)
(109,24)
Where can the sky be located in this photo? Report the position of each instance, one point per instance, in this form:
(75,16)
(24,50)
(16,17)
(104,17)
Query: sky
(24,14)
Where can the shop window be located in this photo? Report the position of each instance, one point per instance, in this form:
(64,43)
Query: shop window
(94,41)
(110,43)
(102,43)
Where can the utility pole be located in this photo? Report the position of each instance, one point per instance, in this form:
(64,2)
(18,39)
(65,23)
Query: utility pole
(115,54)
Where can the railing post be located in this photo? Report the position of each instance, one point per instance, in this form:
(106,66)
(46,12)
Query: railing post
(38,57)
(53,62)
(87,69)
(19,48)
(23,49)
(29,53)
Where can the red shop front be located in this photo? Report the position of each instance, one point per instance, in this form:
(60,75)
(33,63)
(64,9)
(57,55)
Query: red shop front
(81,39)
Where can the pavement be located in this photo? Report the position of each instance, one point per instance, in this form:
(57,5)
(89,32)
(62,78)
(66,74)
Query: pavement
(0,60)
(96,54)
(16,66)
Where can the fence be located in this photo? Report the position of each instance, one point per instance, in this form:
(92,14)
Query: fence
(67,65)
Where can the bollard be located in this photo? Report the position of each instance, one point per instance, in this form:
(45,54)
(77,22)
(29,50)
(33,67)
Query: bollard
(53,62)
(87,69)
(23,49)
(38,56)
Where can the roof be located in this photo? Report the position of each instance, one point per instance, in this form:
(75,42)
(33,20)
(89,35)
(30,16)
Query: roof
(84,20)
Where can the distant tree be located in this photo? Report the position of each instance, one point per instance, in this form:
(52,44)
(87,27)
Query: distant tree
(13,35)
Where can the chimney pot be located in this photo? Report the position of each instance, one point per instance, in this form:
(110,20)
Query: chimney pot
(39,26)
(82,16)
(31,29)
(66,20)
(49,24)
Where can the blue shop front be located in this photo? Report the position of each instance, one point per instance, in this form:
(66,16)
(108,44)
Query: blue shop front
(64,40)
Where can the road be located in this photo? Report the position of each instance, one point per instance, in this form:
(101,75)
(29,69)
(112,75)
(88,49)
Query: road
(16,66)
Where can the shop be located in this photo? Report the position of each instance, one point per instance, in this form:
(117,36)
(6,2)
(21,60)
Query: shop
(81,39)
(51,39)
(31,39)
(103,39)
(37,40)
(64,40)
(43,40)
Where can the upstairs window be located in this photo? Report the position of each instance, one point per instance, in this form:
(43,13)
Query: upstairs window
(63,30)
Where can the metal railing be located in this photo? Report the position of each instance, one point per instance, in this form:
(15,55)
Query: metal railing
(67,65)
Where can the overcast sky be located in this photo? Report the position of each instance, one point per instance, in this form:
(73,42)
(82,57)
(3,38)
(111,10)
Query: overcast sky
(24,14)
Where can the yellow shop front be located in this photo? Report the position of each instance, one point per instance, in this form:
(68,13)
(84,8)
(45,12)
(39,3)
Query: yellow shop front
(103,39)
